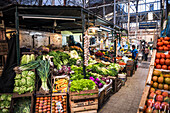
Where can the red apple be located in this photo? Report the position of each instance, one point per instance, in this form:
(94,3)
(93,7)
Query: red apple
(165,104)
(159,98)
(158,105)
(150,102)
(152,95)
(149,110)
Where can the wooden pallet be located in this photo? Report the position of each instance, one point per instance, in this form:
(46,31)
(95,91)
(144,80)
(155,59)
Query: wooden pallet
(153,57)
(144,97)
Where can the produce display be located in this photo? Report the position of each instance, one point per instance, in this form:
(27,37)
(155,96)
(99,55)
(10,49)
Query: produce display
(5,102)
(160,80)
(157,102)
(22,105)
(81,85)
(60,85)
(162,61)
(27,58)
(78,49)
(163,44)
(78,73)
(24,82)
(59,58)
(99,80)
(59,104)
(43,105)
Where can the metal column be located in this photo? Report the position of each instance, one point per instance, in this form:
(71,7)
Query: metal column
(17,35)
(114,12)
(83,30)
(136,18)
(128,18)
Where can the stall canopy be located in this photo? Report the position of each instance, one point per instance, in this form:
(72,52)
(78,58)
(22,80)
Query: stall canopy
(51,18)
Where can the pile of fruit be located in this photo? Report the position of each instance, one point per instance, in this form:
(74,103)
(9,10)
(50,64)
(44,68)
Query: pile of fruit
(162,61)
(59,104)
(60,85)
(43,105)
(163,44)
(157,102)
(160,81)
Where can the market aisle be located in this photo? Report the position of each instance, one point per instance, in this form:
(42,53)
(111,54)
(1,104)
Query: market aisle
(127,99)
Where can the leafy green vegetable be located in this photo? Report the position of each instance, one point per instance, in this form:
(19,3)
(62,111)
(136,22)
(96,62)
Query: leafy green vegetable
(18,76)
(72,61)
(5,103)
(27,58)
(22,105)
(76,76)
(3,97)
(83,84)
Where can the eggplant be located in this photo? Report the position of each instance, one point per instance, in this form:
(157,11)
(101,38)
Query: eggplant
(100,85)
(98,80)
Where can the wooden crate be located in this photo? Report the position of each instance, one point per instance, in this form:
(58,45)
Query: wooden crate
(16,96)
(144,97)
(82,103)
(84,107)
(78,96)
(116,84)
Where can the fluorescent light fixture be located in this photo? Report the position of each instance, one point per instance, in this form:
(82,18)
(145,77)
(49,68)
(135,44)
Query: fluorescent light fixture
(36,17)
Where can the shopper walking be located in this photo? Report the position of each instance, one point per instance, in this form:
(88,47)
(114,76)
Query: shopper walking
(134,55)
(146,53)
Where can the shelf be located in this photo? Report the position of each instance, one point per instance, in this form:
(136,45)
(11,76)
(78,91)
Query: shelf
(149,77)
(16,95)
(144,97)
(57,94)
(168,71)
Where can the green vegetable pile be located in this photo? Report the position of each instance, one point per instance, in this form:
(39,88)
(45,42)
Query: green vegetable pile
(100,69)
(60,58)
(78,73)
(83,84)
(114,66)
(27,58)
(5,102)
(24,82)
(22,105)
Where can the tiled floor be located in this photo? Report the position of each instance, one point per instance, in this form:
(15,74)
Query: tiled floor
(127,99)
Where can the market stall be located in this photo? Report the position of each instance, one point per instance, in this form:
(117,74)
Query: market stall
(156,94)
(54,78)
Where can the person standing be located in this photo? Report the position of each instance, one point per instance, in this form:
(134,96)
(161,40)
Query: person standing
(134,55)
(146,53)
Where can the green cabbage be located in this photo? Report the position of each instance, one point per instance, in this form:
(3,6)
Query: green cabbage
(17,83)
(24,73)
(5,111)
(16,89)
(18,76)
(30,89)
(23,81)
(3,97)
(32,57)
(9,97)
(30,81)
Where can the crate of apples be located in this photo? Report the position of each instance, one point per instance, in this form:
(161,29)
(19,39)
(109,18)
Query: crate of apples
(157,102)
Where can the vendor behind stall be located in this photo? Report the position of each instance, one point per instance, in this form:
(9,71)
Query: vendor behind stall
(72,42)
